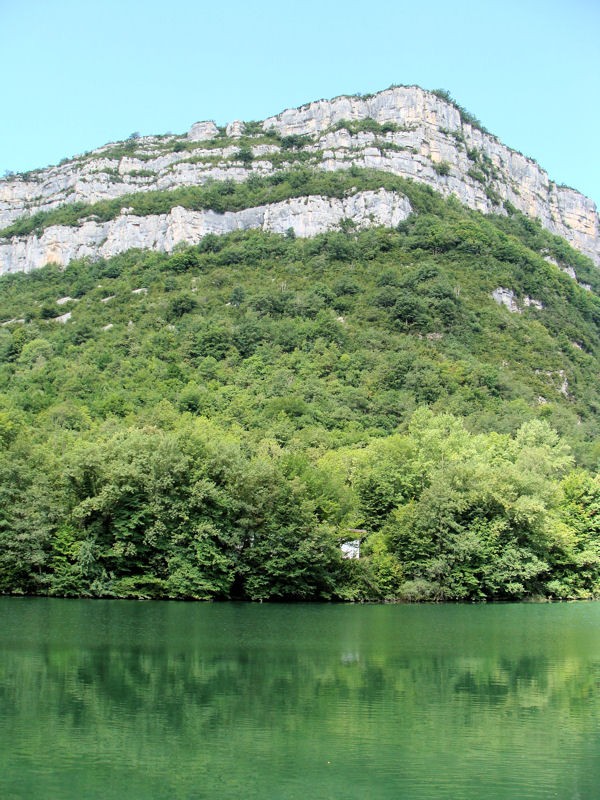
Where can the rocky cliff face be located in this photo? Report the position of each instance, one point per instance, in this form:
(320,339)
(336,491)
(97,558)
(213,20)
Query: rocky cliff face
(405,130)
(483,173)
(306,216)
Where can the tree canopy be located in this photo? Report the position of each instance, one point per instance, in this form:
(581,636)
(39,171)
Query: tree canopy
(223,432)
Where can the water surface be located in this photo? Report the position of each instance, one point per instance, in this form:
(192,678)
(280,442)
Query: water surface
(117,699)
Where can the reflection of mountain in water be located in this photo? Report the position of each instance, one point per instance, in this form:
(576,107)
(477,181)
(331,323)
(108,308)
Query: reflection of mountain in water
(268,701)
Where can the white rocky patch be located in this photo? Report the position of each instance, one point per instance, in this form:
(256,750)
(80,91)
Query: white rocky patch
(430,130)
(506,297)
(235,129)
(202,131)
(306,216)
(531,302)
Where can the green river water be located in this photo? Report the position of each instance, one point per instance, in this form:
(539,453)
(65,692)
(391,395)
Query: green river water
(135,700)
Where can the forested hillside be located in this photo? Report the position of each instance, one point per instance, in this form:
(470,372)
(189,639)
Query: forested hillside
(216,422)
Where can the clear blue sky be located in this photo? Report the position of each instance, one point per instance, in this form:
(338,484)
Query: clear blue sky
(77,75)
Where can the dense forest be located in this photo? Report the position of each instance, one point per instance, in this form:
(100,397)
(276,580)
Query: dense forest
(214,423)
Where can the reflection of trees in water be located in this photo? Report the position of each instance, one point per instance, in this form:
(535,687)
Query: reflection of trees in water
(216,713)
(193,688)
(533,683)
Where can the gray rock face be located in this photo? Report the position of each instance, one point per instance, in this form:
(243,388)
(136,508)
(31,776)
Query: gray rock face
(202,131)
(404,105)
(434,132)
(506,297)
(425,131)
(306,216)
(235,129)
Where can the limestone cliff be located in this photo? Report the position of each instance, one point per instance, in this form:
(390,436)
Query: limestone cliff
(306,216)
(404,130)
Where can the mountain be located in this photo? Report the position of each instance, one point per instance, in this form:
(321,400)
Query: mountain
(242,354)
(403,131)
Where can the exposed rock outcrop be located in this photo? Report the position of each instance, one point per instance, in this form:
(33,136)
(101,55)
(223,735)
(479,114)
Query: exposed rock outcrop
(235,129)
(434,132)
(202,132)
(305,216)
(506,297)
(417,134)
